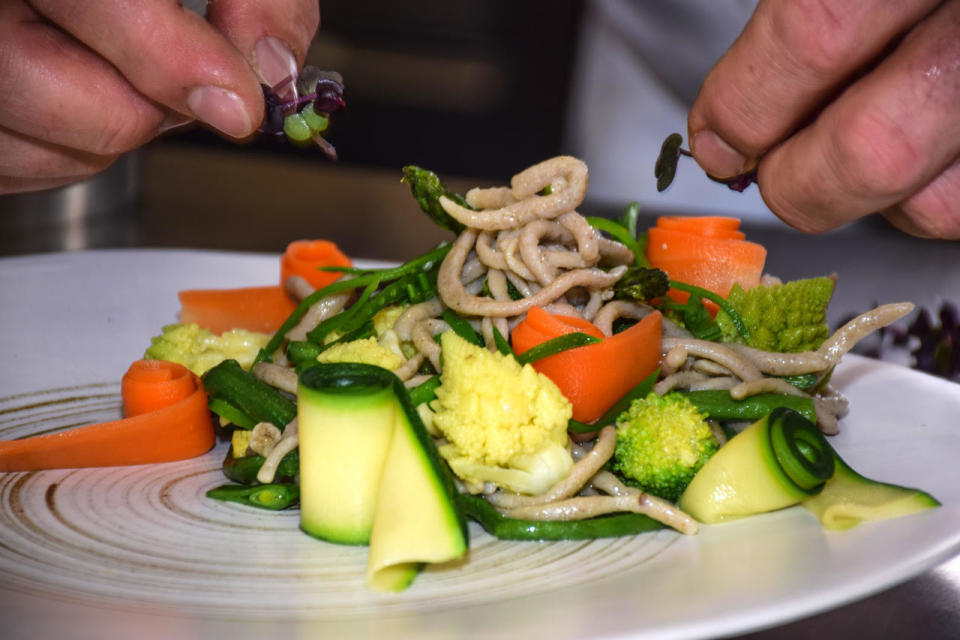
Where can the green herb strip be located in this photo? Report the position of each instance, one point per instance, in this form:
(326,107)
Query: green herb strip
(556,345)
(425,261)
(621,234)
(462,328)
(717,300)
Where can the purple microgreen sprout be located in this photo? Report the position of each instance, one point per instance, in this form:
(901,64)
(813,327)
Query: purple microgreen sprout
(321,89)
(665,168)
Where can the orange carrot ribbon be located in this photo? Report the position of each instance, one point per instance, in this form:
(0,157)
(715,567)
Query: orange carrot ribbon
(595,376)
(167,419)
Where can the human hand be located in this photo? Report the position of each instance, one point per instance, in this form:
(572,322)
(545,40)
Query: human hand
(844,109)
(83,82)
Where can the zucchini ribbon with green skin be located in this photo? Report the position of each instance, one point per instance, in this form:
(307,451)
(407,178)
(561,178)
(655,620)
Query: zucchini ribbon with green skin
(783,460)
(778,461)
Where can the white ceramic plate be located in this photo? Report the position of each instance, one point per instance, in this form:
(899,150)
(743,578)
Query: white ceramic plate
(140,552)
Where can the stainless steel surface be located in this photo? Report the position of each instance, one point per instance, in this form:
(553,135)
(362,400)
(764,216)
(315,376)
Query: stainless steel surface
(245,201)
(99,212)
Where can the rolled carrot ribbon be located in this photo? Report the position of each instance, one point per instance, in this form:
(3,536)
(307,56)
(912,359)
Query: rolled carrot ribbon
(303,257)
(595,376)
(167,419)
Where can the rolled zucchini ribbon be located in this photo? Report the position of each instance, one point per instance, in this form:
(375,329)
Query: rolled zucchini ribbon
(783,460)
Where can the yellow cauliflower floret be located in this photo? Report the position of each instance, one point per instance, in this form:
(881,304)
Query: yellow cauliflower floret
(505,423)
(199,349)
(384,319)
(367,351)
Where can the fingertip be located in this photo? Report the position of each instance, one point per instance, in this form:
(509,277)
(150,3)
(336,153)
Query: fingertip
(273,60)
(715,155)
(222,109)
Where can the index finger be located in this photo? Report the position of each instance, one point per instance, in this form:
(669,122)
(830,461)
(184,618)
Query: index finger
(169,54)
(791,57)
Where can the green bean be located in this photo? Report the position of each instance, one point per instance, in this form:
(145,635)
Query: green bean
(504,528)
(275,496)
(425,391)
(244,470)
(718,405)
(427,260)
(230,413)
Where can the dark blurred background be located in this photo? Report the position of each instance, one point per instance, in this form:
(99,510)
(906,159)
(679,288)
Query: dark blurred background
(475,90)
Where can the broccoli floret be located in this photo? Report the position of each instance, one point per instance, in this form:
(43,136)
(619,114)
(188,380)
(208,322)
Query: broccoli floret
(642,283)
(786,318)
(662,441)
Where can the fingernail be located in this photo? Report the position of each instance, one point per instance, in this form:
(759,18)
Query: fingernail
(716,157)
(273,61)
(221,109)
(173,121)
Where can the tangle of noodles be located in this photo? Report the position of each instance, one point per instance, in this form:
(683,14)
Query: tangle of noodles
(520,237)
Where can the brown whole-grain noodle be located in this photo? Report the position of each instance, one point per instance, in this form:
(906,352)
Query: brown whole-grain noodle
(453,294)
(565,175)
(581,472)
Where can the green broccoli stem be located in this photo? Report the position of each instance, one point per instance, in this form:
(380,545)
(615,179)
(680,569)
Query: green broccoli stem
(255,398)
(504,528)
(275,496)
(718,405)
(621,405)
(717,300)
(556,345)
(424,262)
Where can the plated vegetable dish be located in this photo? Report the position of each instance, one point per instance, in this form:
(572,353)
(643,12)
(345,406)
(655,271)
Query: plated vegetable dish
(544,374)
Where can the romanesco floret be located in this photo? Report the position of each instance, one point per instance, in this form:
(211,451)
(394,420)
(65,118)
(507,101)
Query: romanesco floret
(199,349)
(662,441)
(788,317)
(365,350)
(505,424)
